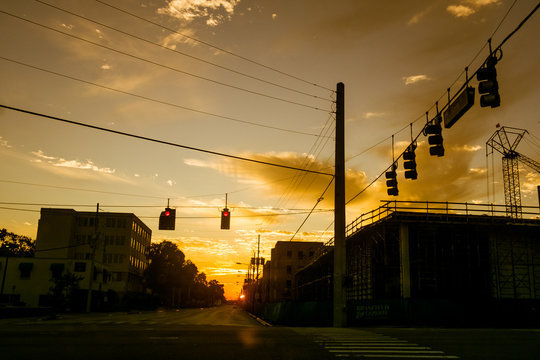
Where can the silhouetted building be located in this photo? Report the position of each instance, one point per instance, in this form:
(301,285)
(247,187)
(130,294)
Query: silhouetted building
(437,265)
(287,258)
(120,241)
(31,282)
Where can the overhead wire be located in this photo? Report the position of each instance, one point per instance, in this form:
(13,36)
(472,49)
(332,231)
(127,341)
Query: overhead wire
(215,47)
(314,206)
(154,206)
(167,67)
(444,95)
(182,53)
(140,137)
(80,189)
(497,48)
(156,100)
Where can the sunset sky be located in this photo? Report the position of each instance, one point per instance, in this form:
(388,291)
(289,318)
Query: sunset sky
(254,79)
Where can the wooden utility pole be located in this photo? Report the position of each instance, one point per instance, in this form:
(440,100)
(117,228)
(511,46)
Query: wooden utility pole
(340,313)
(93,246)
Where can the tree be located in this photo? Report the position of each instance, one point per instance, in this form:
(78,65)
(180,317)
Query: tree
(164,273)
(15,245)
(177,281)
(64,290)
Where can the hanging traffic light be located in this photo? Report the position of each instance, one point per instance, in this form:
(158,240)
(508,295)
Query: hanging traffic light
(434,130)
(391,181)
(225,219)
(167,219)
(488,85)
(409,162)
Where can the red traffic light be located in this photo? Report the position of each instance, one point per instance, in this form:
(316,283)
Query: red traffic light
(167,213)
(225,213)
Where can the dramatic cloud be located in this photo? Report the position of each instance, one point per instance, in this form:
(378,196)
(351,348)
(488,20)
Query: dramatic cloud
(73,164)
(468,7)
(4,143)
(417,17)
(460,10)
(214,12)
(413,79)
(371,115)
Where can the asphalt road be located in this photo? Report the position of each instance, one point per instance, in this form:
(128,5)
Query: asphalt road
(218,333)
(230,333)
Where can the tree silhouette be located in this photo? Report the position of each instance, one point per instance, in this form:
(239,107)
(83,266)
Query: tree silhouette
(15,245)
(177,281)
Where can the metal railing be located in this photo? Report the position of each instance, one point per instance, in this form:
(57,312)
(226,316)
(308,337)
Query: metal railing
(436,207)
(430,208)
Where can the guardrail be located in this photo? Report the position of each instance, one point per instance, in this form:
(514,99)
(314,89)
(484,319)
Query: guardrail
(435,207)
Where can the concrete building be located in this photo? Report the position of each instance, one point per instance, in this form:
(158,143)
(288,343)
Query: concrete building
(119,241)
(287,258)
(30,281)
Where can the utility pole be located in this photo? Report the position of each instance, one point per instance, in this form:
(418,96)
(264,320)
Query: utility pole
(93,245)
(340,314)
(258,252)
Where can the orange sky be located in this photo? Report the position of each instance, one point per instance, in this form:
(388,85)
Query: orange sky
(113,70)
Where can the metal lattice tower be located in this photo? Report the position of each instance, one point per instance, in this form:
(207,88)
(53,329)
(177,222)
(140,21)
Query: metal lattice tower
(505,141)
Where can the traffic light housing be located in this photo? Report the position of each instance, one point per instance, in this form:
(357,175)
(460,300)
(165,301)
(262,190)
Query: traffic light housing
(167,219)
(391,181)
(488,85)
(435,140)
(225,219)
(409,162)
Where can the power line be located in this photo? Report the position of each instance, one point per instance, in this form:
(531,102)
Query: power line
(314,206)
(155,206)
(156,100)
(214,46)
(460,75)
(165,66)
(160,141)
(80,189)
(183,53)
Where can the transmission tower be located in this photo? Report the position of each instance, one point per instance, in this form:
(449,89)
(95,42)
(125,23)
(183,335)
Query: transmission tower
(505,141)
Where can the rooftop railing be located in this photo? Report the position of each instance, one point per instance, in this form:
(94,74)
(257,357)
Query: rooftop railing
(447,208)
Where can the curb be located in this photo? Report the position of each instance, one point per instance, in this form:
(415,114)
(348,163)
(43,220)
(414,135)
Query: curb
(259,320)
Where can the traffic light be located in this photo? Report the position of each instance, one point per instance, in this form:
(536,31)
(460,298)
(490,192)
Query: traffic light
(391,181)
(488,85)
(225,219)
(409,162)
(434,130)
(167,219)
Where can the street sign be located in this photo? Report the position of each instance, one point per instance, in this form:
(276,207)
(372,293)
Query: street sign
(461,104)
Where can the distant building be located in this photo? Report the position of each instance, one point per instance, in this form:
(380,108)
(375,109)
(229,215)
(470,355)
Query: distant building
(287,258)
(121,243)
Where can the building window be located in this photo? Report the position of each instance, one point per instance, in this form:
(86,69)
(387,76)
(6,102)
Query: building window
(289,269)
(288,284)
(300,254)
(79,267)
(311,253)
(26,270)
(57,270)
(289,253)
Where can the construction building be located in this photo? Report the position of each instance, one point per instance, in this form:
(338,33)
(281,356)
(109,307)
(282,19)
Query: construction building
(435,263)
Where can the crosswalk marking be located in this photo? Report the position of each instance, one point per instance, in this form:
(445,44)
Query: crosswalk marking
(355,343)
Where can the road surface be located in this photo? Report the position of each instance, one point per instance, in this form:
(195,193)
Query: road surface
(228,332)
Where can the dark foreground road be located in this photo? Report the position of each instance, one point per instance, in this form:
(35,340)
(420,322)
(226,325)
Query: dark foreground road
(220,333)
(230,333)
